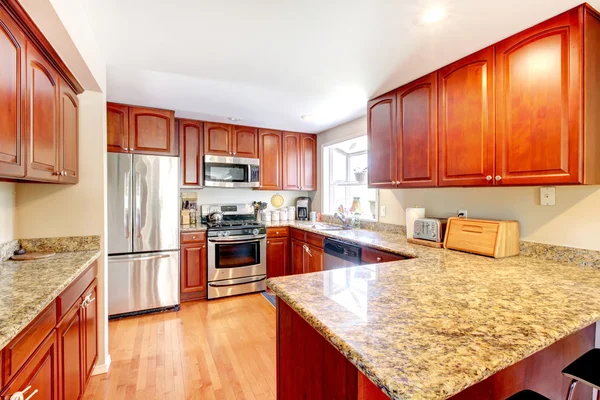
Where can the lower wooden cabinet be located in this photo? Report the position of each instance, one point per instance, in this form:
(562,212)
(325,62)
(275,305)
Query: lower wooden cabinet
(40,374)
(71,352)
(277,257)
(90,331)
(306,258)
(193,267)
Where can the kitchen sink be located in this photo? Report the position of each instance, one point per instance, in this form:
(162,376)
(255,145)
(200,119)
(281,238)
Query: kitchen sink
(328,227)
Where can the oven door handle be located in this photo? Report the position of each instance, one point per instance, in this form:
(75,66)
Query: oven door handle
(237,239)
(238,283)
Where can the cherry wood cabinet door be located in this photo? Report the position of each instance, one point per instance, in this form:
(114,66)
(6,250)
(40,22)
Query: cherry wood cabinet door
(271,158)
(277,257)
(538,103)
(90,331)
(191,150)
(12,98)
(117,127)
(193,269)
(42,113)
(382,139)
(308,162)
(68,120)
(244,141)
(314,259)
(71,354)
(217,139)
(40,372)
(297,257)
(152,131)
(417,133)
(291,161)
(466,118)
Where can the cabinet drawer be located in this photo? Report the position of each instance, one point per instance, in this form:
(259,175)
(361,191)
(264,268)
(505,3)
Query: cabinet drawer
(372,256)
(299,234)
(278,232)
(314,239)
(22,347)
(193,237)
(70,295)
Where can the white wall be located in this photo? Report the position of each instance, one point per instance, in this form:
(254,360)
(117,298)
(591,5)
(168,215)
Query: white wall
(7,211)
(574,221)
(223,196)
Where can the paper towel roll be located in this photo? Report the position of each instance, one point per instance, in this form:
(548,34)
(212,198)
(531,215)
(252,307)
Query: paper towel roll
(411,215)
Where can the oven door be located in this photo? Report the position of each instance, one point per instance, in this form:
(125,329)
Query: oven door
(236,257)
(231,172)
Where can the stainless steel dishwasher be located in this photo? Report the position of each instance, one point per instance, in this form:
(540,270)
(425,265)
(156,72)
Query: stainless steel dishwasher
(339,254)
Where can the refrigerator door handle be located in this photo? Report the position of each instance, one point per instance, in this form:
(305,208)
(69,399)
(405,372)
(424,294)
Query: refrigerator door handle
(138,204)
(116,259)
(127,204)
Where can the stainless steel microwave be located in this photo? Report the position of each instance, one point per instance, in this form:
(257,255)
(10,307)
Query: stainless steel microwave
(231,172)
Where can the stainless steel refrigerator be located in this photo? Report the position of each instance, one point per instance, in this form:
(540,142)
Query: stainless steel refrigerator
(143,233)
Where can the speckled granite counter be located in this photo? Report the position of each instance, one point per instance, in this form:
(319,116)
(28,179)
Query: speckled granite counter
(27,287)
(193,228)
(430,327)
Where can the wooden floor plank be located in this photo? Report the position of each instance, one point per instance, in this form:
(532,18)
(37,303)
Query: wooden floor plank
(218,349)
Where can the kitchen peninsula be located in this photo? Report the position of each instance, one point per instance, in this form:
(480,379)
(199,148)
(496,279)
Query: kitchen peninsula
(434,326)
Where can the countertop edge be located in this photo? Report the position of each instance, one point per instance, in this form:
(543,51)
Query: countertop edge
(27,319)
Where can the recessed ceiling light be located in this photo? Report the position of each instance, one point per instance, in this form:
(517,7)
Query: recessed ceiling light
(234,119)
(307,117)
(434,14)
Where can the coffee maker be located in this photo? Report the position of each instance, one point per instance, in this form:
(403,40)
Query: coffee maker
(302,208)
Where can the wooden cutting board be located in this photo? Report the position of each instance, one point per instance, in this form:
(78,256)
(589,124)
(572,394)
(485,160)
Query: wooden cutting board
(33,256)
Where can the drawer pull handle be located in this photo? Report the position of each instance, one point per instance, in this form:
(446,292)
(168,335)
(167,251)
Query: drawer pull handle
(472,229)
(21,395)
(31,395)
(379,259)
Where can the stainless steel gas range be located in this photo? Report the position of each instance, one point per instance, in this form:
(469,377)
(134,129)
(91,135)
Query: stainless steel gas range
(237,250)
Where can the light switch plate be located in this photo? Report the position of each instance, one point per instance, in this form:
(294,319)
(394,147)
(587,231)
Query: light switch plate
(382,211)
(548,196)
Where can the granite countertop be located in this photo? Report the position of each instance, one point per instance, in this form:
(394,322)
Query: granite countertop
(431,326)
(28,287)
(193,228)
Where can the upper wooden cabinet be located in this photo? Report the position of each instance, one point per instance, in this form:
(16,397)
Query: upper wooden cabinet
(244,141)
(466,121)
(140,130)
(68,128)
(521,112)
(417,133)
(291,161)
(270,153)
(12,99)
(152,131)
(117,127)
(308,162)
(191,149)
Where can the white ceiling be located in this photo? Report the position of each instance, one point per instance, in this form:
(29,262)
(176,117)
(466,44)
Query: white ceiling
(270,61)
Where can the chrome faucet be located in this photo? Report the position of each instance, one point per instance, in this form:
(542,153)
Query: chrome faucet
(344,220)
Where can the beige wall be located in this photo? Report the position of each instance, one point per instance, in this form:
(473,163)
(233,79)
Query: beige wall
(221,196)
(574,221)
(7,211)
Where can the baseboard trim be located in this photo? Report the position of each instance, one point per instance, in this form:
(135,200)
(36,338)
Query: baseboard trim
(100,369)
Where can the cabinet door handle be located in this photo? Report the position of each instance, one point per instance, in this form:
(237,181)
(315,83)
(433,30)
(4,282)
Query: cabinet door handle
(31,395)
(488,178)
(498,177)
(55,173)
(21,395)
(268,242)
(379,259)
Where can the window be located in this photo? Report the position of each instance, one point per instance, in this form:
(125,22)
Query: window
(345,179)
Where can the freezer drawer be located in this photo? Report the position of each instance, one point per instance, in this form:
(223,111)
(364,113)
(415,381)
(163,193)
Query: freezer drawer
(145,281)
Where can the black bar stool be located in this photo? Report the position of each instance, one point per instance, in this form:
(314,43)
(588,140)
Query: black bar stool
(586,369)
(527,395)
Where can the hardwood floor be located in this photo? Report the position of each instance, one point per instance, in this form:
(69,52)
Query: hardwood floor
(218,349)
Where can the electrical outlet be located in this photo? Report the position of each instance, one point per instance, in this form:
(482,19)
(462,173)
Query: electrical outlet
(382,211)
(548,196)
(461,213)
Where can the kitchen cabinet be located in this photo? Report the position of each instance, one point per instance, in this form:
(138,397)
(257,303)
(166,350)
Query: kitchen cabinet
(39,374)
(382,136)
(314,259)
(297,257)
(308,162)
(244,141)
(12,98)
(417,133)
(230,140)
(152,131)
(68,123)
(374,256)
(270,147)
(307,252)
(291,161)
(278,252)
(466,118)
(70,351)
(117,127)
(42,111)
(191,150)
(89,319)
(193,267)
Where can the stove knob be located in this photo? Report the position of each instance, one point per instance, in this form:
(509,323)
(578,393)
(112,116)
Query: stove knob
(255,231)
(220,234)
(227,233)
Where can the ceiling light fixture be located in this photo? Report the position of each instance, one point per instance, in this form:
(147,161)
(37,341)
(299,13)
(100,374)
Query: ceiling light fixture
(434,14)
(307,117)
(234,119)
